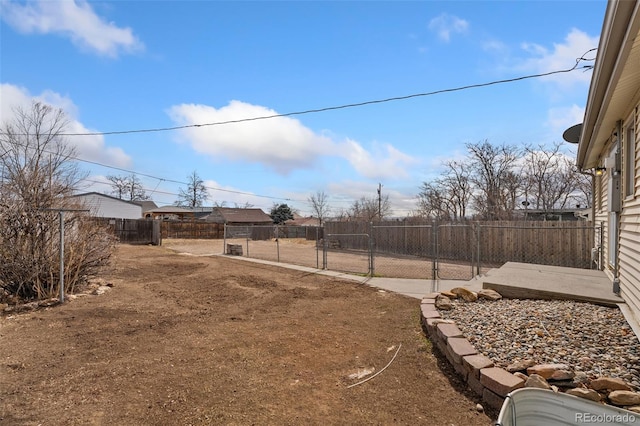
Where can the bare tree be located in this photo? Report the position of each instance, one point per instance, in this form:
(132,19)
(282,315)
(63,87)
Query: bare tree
(434,201)
(584,191)
(38,178)
(552,179)
(369,209)
(245,205)
(448,197)
(195,194)
(320,205)
(493,177)
(128,188)
(457,179)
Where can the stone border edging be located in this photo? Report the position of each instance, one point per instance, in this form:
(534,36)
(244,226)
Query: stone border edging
(489,382)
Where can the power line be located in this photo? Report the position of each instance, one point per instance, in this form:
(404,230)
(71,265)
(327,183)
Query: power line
(345,106)
(160,178)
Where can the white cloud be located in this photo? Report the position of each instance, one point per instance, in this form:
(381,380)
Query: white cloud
(444,25)
(91,148)
(562,56)
(495,46)
(561,118)
(386,162)
(282,144)
(74,19)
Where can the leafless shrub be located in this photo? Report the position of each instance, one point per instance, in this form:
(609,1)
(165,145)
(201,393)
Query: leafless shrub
(37,178)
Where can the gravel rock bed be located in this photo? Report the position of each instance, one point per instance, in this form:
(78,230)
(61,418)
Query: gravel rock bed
(594,340)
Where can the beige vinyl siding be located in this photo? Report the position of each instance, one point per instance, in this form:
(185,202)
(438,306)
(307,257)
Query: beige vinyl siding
(629,251)
(601,214)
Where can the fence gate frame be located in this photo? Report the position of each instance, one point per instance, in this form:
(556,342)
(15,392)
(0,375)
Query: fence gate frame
(325,249)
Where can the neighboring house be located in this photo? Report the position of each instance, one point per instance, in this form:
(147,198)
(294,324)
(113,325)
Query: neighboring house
(609,146)
(237,216)
(169,213)
(146,206)
(303,221)
(553,214)
(102,205)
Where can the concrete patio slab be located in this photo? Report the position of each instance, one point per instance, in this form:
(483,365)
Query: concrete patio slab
(529,281)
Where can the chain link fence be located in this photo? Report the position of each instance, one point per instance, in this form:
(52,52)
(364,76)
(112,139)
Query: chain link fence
(421,251)
(297,245)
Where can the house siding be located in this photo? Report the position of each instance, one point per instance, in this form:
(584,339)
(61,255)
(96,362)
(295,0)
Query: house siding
(629,248)
(602,215)
(101,206)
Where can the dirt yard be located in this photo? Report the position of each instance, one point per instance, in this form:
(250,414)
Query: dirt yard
(192,340)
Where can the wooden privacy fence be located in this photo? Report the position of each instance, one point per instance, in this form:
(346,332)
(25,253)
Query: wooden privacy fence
(266,232)
(192,229)
(481,243)
(547,243)
(134,231)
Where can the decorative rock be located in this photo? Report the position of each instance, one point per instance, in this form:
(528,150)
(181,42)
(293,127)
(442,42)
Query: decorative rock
(610,383)
(565,384)
(581,377)
(449,294)
(589,394)
(520,365)
(635,408)
(444,303)
(521,375)
(536,381)
(562,375)
(479,408)
(546,370)
(624,398)
(489,294)
(466,294)
(576,341)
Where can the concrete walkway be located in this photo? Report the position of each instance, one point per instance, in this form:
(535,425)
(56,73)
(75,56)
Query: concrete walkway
(513,280)
(409,287)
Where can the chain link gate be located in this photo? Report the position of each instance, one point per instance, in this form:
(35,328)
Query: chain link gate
(403,251)
(348,253)
(424,251)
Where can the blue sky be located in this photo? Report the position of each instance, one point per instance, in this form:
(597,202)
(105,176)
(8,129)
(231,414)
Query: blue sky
(131,65)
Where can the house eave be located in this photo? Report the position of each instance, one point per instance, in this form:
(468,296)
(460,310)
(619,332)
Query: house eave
(615,80)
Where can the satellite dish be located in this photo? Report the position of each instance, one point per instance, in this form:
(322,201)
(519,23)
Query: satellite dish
(572,134)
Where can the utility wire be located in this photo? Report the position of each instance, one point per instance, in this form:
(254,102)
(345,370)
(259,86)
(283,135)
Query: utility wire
(159,178)
(345,106)
(309,111)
